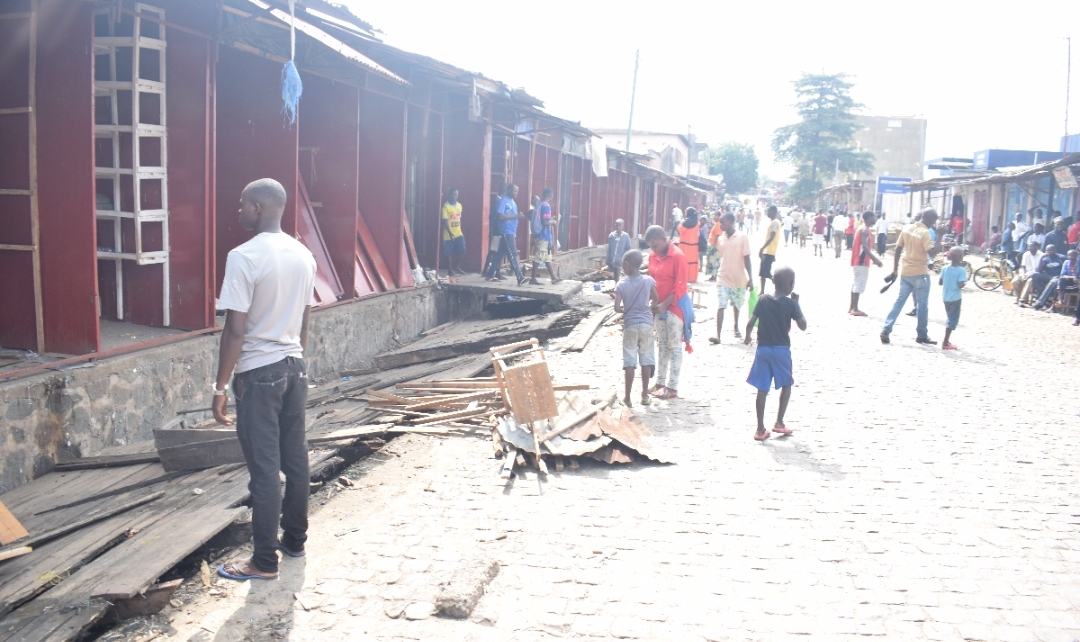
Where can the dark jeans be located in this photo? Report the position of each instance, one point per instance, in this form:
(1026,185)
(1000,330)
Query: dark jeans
(270,406)
(849,238)
(881,241)
(508,249)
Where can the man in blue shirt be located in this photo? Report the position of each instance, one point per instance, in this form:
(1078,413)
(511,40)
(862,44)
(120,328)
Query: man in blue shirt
(544,239)
(507,216)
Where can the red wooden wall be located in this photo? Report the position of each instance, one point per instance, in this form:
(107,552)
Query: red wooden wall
(329,121)
(467,166)
(253,142)
(382,172)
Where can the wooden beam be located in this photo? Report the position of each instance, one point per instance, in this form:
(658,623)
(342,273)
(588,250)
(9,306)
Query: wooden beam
(10,528)
(17,248)
(35,226)
(15,110)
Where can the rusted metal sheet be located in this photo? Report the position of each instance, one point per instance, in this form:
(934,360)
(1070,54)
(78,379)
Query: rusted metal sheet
(333,43)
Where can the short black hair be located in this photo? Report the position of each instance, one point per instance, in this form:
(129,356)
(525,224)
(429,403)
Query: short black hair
(633,257)
(268,193)
(654,231)
(547,192)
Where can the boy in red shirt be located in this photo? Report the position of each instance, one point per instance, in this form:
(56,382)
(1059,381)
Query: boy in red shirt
(668,267)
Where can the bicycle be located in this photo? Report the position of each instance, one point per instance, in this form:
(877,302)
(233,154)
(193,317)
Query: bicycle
(998,271)
(942,258)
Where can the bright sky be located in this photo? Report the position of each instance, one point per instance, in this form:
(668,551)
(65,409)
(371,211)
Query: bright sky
(984,74)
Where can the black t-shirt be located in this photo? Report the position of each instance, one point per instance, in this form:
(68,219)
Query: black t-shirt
(1050,264)
(775,315)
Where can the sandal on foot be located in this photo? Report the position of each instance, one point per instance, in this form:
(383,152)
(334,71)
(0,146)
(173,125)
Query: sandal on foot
(857,313)
(761,436)
(291,553)
(668,394)
(534,282)
(738,335)
(782,430)
(232,572)
(714,340)
(948,346)
(646,400)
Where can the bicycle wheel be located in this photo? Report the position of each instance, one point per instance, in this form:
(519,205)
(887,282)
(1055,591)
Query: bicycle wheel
(987,278)
(967,269)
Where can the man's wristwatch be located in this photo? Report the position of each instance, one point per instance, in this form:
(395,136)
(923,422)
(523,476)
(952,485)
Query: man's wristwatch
(219,393)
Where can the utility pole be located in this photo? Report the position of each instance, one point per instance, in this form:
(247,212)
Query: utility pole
(1068,81)
(633,93)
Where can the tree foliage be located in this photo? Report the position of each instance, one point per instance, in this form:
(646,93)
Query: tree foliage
(737,162)
(823,138)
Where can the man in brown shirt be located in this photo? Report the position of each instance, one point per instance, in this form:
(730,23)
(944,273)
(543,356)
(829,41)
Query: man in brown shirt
(915,247)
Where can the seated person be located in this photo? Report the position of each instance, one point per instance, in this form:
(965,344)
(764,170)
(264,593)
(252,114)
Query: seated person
(1048,270)
(994,241)
(1021,283)
(1066,282)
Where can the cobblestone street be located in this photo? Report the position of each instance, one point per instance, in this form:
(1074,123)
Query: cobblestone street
(924,495)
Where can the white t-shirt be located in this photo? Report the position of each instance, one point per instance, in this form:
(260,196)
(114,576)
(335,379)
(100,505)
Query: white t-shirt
(1021,229)
(272,279)
(1029,262)
(839,223)
(882,226)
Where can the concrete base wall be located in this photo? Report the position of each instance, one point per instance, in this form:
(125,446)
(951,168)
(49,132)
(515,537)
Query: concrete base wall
(61,415)
(119,400)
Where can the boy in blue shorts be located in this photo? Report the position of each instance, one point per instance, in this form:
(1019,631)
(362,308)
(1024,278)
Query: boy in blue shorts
(772,362)
(636,298)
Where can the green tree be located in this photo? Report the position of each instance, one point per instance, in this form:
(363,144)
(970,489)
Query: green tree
(822,140)
(737,162)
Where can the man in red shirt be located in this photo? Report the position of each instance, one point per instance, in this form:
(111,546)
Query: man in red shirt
(668,267)
(820,225)
(1073,234)
(861,257)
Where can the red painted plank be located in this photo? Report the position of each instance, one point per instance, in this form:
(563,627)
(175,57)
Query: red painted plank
(65,100)
(371,250)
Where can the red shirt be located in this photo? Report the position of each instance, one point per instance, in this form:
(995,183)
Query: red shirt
(819,224)
(1073,234)
(857,247)
(958,225)
(670,273)
(850,225)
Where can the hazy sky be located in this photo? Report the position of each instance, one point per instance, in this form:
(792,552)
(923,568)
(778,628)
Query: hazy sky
(984,74)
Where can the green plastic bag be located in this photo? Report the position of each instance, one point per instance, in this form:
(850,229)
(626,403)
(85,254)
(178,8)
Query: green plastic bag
(752,304)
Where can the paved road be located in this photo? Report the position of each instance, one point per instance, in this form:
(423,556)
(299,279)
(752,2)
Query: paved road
(924,496)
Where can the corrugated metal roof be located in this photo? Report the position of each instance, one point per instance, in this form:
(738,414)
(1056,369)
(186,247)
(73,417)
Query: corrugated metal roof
(333,43)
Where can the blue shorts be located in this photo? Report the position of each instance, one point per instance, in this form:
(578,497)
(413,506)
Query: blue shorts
(772,364)
(454,247)
(952,314)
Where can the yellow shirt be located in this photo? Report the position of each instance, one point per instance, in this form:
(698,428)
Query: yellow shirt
(916,241)
(774,229)
(451,214)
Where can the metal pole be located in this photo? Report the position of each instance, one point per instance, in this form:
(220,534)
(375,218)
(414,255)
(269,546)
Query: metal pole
(1068,81)
(633,93)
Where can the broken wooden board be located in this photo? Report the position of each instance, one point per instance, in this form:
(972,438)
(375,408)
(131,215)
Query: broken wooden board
(11,529)
(558,293)
(201,454)
(472,337)
(585,330)
(15,552)
(529,391)
(147,603)
(168,438)
(106,461)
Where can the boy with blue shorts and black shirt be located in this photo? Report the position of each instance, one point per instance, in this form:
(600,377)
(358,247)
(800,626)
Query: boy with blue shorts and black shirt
(772,362)
(636,298)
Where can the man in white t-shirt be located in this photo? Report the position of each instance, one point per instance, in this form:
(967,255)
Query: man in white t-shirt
(882,228)
(267,292)
(839,227)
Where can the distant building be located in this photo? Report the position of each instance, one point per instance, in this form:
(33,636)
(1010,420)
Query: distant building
(669,153)
(898,145)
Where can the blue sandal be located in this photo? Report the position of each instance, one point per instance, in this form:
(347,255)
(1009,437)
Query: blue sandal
(235,574)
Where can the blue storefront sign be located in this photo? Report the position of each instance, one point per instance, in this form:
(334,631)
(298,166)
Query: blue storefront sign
(892,185)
